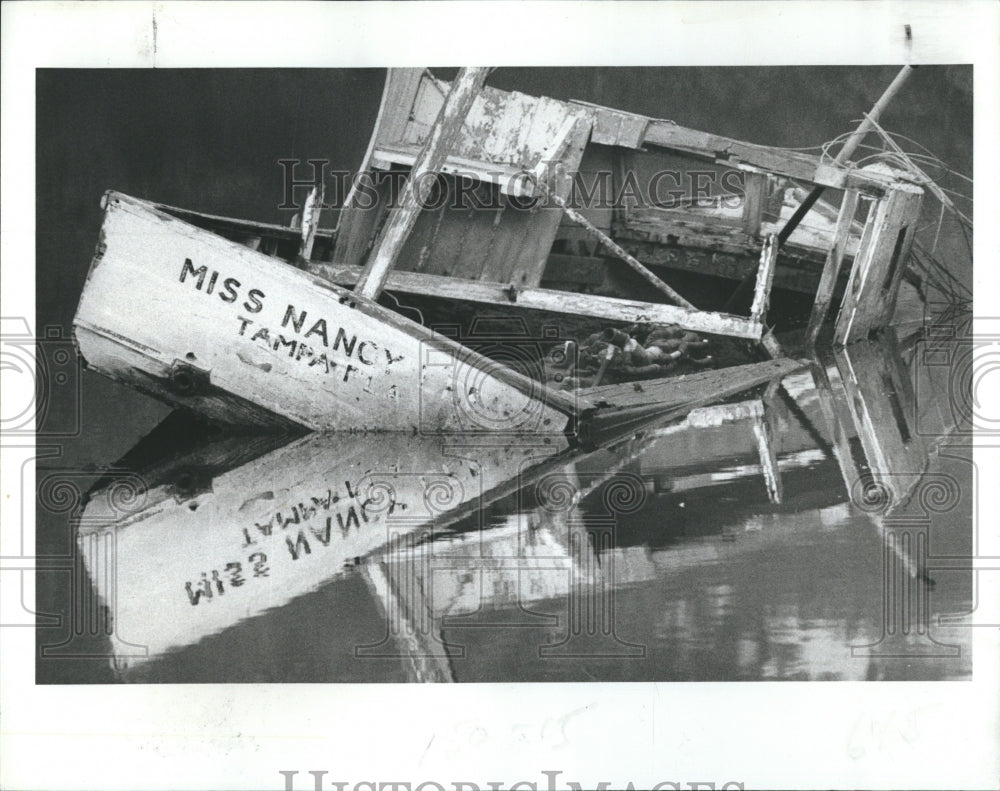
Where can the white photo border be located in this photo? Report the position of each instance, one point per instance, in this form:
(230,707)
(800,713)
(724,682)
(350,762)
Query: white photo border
(761,734)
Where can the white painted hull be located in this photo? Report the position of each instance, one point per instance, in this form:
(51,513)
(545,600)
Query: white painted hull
(205,323)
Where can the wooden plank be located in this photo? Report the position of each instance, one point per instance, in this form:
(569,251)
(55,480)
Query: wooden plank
(878,267)
(748,156)
(624,406)
(506,176)
(765,277)
(525,267)
(755,197)
(360,220)
(620,252)
(793,164)
(616,127)
(310,220)
(442,137)
(795,272)
(357,219)
(210,313)
(678,228)
(399,96)
(678,391)
(831,270)
(509,129)
(623,310)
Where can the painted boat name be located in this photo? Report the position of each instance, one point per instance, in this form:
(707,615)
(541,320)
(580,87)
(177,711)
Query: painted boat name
(294,323)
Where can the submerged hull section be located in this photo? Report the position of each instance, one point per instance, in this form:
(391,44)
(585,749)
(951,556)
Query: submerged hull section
(204,323)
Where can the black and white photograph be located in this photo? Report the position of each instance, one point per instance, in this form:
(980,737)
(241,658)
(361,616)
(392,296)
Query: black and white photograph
(339,380)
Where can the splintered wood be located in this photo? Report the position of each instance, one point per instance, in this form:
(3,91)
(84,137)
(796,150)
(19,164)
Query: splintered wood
(442,138)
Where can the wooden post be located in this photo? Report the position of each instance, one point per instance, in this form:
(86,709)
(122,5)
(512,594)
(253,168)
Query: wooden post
(551,300)
(310,220)
(849,148)
(765,278)
(442,137)
(831,269)
(755,192)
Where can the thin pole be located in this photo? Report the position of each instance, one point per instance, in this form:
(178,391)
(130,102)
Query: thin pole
(618,250)
(848,148)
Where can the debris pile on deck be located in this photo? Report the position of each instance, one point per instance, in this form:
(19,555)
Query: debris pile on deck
(639,352)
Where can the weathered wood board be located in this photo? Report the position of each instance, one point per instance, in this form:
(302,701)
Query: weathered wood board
(879,264)
(188,565)
(240,337)
(551,300)
(692,390)
(476,231)
(635,403)
(440,140)
(831,269)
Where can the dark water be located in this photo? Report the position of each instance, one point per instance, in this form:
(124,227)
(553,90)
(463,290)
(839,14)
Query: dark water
(662,555)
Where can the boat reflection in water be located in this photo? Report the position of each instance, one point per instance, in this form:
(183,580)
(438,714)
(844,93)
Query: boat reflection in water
(797,534)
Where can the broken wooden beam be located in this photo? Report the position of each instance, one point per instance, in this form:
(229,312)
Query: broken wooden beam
(620,252)
(310,220)
(628,404)
(849,147)
(442,137)
(834,260)
(611,308)
(794,164)
(765,278)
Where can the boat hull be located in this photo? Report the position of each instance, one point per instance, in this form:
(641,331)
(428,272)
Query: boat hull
(205,323)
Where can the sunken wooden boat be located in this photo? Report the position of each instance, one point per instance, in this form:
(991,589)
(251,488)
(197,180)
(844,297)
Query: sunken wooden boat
(271,327)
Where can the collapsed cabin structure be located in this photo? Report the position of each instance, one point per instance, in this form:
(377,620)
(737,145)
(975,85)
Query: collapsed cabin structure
(515,150)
